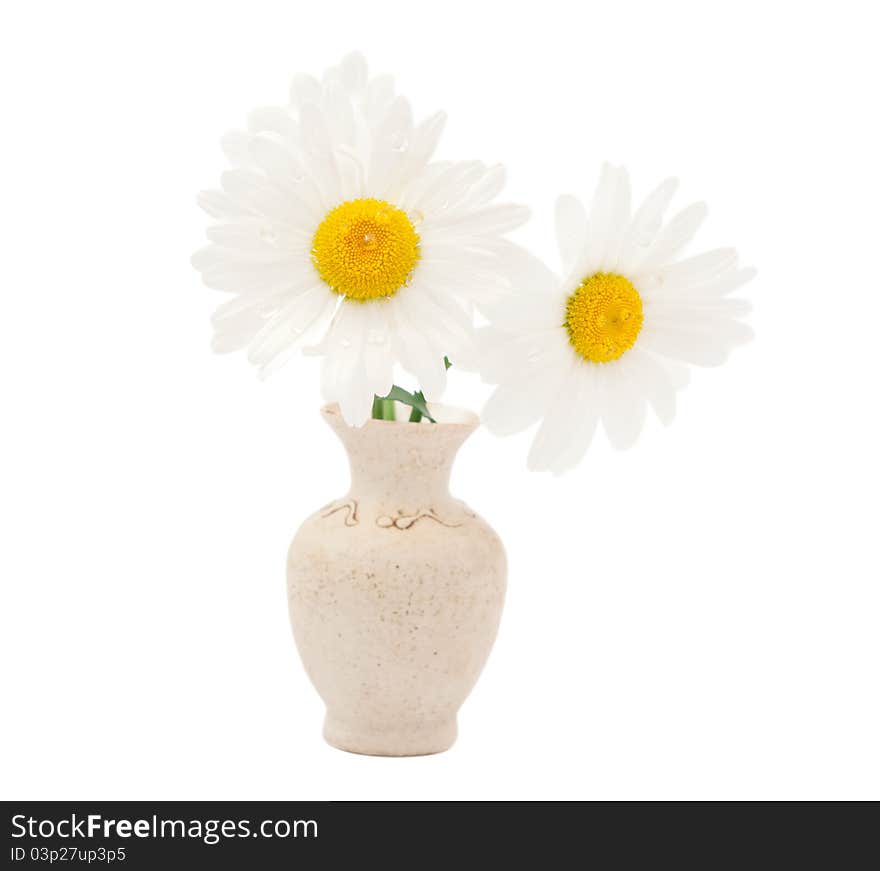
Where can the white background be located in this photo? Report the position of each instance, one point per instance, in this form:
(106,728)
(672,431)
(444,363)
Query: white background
(695,618)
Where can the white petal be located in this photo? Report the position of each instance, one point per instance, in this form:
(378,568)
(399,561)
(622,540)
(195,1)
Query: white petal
(701,315)
(338,115)
(516,405)
(274,158)
(207,258)
(645,225)
(500,218)
(528,311)
(571,231)
(618,221)
(378,351)
(672,238)
(448,199)
(289,325)
(554,433)
(262,304)
(417,353)
(585,408)
(243,277)
(261,240)
(260,195)
(283,168)
(343,378)
(422,185)
(304,89)
(275,120)
(221,257)
(701,306)
(422,144)
(653,376)
(623,406)
(219,205)
(486,188)
(380,94)
(354,72)
(236,332)
(239,184)
(436,191)
(728,283)
(506,357)
(459,194)
(307,324)
(603,219)
(319,157)
(442,321)
(523,271)
(355,401)
(235,147)
(390,141)
(476,284)
(708,347)
(697,269)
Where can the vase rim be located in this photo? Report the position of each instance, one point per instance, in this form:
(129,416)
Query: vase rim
(447,417)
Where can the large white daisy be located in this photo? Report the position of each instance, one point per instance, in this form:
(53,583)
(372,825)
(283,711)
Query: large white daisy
(613,336)
(335,228)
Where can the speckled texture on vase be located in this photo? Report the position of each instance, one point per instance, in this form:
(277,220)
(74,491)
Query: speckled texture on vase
(396,590)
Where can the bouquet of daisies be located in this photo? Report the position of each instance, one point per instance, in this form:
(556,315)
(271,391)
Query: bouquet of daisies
(338,233)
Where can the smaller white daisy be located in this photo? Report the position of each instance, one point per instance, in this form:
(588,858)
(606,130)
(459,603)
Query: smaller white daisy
(614,335)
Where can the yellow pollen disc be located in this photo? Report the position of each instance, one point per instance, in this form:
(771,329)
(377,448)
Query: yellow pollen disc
(365,249)
(603,317)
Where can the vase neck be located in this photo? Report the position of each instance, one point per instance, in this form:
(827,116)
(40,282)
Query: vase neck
(400,466)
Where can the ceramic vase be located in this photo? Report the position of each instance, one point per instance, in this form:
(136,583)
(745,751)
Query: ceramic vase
(396,589)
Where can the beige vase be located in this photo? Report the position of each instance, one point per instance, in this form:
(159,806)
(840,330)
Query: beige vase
(396,589)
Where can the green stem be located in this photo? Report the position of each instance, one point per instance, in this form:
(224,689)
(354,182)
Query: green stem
(383,408)
(416,415)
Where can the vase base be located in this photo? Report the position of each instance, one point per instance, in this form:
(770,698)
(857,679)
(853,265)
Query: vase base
(394,741)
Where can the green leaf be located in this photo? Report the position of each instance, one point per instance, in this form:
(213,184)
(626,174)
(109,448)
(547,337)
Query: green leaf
(416,415)
(416,401)
(383,406)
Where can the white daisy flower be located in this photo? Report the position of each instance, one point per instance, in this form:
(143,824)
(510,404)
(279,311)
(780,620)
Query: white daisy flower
(335,226)
(613,336)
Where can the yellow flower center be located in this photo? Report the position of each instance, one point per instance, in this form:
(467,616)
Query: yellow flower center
(603,317)
(365,249)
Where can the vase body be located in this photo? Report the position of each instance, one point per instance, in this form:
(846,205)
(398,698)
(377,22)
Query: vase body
(396,590)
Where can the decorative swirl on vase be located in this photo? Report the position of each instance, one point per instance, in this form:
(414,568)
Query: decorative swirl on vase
(350,507)
(389,521)
(406,521)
